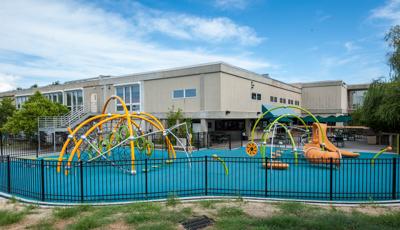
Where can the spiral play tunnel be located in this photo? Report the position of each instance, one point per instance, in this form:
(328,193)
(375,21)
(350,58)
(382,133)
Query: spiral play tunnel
(123,130)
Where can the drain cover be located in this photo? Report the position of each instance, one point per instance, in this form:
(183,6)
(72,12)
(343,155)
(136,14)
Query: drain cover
(197,223)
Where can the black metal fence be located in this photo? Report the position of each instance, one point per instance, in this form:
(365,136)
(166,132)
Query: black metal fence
(103,181)
(20,145)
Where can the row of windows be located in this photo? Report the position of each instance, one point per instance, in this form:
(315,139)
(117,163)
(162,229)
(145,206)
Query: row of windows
(54,97)
(74,98)
(20,100)
(283,100)
(183,93)
(131,96)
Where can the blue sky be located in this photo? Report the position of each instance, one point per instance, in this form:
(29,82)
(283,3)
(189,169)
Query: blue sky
(42,41)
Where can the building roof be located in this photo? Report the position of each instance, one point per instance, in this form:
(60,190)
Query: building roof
(161,74)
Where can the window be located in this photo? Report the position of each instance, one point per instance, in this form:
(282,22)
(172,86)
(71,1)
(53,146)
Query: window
(130,94)
(74,99)
(19,101)
(290,101)
(282,100)
(275,99)
(184,93)
(271,98)
(297,102)
(54,97)
(256,96)
(179,93)
(190,92)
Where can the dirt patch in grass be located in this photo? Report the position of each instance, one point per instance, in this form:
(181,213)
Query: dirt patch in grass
(228,214)
(118,225)
(260,210)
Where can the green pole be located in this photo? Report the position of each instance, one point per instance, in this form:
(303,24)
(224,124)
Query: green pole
(293,107)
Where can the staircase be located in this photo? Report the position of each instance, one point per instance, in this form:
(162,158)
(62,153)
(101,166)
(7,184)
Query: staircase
(61,123)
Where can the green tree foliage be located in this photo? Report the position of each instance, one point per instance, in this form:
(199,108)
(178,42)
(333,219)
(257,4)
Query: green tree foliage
(6,110)
(393,39)
(176,117)
(381,107)
(26,119)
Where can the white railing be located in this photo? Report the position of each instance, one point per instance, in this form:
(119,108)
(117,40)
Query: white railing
(64,121)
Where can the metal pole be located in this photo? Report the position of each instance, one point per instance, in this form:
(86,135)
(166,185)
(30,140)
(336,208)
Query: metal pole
(37,149)
(146,178)
(331,179)
(241,140)
(1,144)
(38,135)
(54,141)
(42,179)
(81,180)
(266,176)
(230,142)
(394,179)
(198,141)
(205,176)
(8,174)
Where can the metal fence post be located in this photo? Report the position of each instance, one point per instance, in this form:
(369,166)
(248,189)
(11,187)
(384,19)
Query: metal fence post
(81,180)
(394,179)
(37,148)
(230,142)
(205,176)
(331,178)
(1,144)
(266,176)
(42,197)
(198,141)
(8,174)
(146,178)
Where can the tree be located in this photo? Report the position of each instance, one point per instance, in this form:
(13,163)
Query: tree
(7,109)
(26,119)
(393,38)
(176,117)
(381,107)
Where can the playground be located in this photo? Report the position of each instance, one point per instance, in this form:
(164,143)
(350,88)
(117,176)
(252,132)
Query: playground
(115,158)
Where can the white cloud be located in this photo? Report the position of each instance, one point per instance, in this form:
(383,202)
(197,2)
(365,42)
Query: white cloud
(390,11)
(189,27)
(64,40)
(231,4)
(350,46)
(322,16)
(333,62)
(8,82)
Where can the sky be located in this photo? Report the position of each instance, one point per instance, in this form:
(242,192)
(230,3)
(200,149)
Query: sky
(43,41)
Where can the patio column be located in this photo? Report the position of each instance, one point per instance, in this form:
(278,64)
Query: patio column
(203,125)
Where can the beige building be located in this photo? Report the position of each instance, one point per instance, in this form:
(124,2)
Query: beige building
(325,98)
(217,96)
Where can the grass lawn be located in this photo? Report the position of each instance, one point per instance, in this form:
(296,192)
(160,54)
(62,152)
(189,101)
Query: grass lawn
(234,214)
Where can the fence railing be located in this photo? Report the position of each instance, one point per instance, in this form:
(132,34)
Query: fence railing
(68,120)
(102,181)
(19,146)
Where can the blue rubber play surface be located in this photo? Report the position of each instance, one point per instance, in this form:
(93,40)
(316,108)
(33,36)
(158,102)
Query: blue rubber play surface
(99,181)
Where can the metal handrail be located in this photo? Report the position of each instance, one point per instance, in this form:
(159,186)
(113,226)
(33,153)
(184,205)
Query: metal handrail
(64,121)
